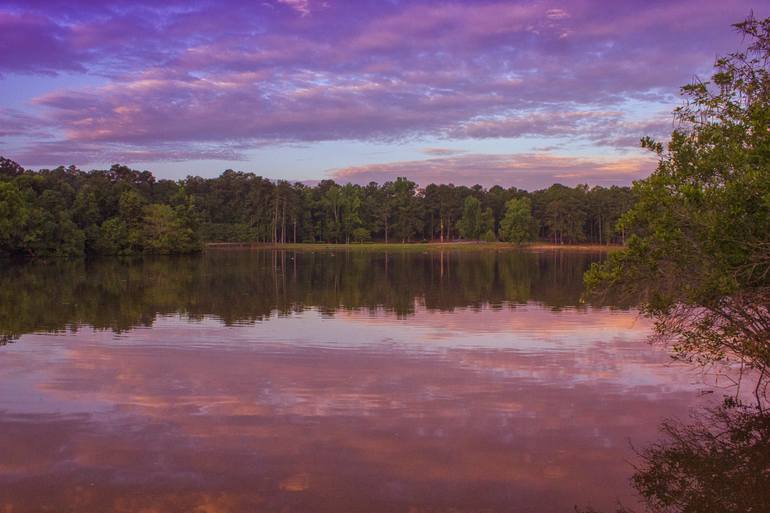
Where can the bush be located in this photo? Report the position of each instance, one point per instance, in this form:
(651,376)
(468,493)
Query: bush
(361,235)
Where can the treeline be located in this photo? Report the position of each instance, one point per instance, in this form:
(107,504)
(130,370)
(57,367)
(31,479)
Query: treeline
(68,212)
(120,211)
(241,207)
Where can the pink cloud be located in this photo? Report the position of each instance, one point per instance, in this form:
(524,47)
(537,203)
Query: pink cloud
(525,171)
(252,73)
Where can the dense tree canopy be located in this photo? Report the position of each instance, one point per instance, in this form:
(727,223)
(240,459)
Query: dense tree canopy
(120,211)
(518,225)
(67,212)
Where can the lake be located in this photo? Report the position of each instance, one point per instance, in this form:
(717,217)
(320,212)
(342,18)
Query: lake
(341,381)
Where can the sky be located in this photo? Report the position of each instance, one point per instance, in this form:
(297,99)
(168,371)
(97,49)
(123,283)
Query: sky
(515,93)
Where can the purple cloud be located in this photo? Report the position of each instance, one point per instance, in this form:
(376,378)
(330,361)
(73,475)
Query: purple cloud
(58,152)
(243,74)
(301,6)
(15,123)
(32,43)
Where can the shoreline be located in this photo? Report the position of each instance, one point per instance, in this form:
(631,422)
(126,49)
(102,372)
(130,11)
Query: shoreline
(414,246)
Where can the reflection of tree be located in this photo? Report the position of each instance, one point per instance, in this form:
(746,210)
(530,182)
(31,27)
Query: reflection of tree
(247,286)
(720,463)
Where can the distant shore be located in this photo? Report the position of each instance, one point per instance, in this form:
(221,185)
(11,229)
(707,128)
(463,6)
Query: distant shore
(418,246)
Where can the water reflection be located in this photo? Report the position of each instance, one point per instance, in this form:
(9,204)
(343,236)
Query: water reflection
(318,383)
(718,462)
(244,286)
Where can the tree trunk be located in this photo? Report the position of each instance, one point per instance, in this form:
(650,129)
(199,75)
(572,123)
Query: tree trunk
(601,224)
(275,222)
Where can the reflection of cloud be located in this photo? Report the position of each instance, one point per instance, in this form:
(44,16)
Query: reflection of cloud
(357,412)
(523,323)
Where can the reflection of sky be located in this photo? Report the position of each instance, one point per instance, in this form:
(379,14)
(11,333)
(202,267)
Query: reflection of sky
(513,410)
(530,327)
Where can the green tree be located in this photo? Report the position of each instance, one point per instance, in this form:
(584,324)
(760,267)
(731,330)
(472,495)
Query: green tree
(14,213)
(332,202)
(405,208)
(487,224)
(351,206)
(86,215)
(470,224)
(113,237)
(700,259)
(518,224)
(9,168)
(163,232)
(131,211)
(564,213)
(361,235)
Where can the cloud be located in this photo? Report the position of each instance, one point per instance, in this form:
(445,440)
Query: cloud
(556,14)
(441,152)
(535,123)
(605,128)
(242,106)
(525,171)
(62,152)
(301,6)
(248,109)
(35,44)
(255,73)
(16,123)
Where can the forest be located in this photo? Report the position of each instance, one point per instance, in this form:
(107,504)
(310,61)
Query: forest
(121,211)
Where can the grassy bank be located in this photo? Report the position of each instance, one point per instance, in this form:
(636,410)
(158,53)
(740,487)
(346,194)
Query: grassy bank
(417,246)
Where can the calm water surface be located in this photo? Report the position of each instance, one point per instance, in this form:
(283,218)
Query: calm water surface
(245,381)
